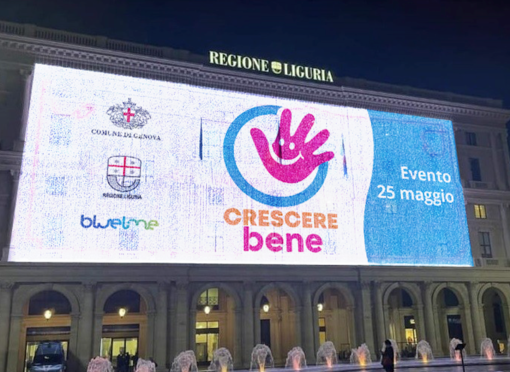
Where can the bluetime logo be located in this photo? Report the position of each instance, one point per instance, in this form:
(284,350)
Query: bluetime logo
(87,222)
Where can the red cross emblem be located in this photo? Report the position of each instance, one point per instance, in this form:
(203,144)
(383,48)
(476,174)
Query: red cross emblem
(124,172)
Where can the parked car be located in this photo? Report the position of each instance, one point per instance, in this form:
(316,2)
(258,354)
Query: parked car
(49,357)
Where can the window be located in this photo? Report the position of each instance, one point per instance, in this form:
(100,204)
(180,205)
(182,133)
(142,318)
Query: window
(480,211)
(485,244)
(206,340)
(209,298)
(474,164)
(471,138)
(322,330)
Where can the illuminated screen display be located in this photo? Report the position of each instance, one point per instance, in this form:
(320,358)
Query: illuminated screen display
(122,169)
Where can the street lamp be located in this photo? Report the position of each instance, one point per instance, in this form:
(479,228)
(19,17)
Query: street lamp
(207,309)
(48,314)
(122,312)
(320,306)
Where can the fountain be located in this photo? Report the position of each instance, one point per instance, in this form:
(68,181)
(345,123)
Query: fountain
(145,366)
(261,358)
(454,354)
(487,349)
(185,362)
(424,351)
(296,359)
(99,364)
(396,351)
(222,361)
(361,355)
(327,354)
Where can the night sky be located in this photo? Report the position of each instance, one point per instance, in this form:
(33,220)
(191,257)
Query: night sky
(459,46)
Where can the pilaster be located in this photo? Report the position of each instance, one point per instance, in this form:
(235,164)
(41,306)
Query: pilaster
(5,314)
(307,324)
(368,330)
(160,332)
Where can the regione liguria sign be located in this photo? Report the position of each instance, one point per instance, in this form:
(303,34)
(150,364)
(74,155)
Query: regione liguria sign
(274,67)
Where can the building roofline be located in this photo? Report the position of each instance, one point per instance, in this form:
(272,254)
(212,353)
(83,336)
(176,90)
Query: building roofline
(50,46)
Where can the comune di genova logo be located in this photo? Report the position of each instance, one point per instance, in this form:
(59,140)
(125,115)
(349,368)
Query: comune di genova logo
(285,147)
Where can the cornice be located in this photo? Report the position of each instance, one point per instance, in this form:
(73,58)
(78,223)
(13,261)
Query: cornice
(193,73)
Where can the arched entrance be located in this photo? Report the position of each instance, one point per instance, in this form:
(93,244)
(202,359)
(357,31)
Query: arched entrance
(403,321)
(335,319)
(46,317)
(278,323)
(124,331)
(451,322)
(495,313)
(215,323)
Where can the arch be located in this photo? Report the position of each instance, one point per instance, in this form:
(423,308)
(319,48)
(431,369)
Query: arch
(283,286)
(459,290)
(23,294)
(340,287)
(501,288)
(223,286)
(105,292)
(413,291)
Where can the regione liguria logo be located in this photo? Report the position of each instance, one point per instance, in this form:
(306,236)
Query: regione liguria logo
(124,173)
(128,115)
(285,147)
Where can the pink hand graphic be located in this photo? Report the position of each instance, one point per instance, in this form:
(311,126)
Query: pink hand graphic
(289,147)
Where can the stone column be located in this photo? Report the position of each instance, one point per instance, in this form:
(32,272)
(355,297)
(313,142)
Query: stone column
(14,336)
(420,323)
(14,192)
(5,315)
(151,317)
(98,333)
(248,338)
(256,325)
(192,328)
(430,334)
(160,332)
(181,324)
(74,347)
(468,329)
(500,182)
(237,352)
(479,332)
(506,156)
(379,314)
(504,226)
(368,330)
(307,324)
(297,320)
(26,75)
(86,324)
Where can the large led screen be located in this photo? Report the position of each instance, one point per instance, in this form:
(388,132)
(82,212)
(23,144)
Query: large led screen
(121,169)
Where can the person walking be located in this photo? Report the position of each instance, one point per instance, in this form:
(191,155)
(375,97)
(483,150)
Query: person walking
(388,357)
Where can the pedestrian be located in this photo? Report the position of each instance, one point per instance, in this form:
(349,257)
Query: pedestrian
(388,355)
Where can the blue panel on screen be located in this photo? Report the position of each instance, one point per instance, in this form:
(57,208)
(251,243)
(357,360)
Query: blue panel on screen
(426,223)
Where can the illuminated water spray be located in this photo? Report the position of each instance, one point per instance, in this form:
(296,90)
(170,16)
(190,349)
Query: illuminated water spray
(487,349)
(222,361)
(261,358)
(361,355)
(327,354)
(185,362)
(296,359)
(424,351)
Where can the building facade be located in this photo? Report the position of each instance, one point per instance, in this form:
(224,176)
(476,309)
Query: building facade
(159,310)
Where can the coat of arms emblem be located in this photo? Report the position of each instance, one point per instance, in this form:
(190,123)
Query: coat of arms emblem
(128,115)
(124,173)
